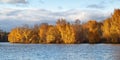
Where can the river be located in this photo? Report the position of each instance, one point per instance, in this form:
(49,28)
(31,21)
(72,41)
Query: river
(59,51)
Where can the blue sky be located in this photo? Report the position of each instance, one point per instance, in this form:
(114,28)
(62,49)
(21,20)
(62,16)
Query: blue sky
(61,5)
(18,12)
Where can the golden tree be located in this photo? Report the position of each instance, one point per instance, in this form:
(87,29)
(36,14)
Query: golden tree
(93,31)
(42,32)
(53,35)
(78,31)
(15,35)
(115,26)
(111,27)
(67,31)
(23,35)
(106,29)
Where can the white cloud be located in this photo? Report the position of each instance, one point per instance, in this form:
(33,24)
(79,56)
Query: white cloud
(13,1)
(10,18)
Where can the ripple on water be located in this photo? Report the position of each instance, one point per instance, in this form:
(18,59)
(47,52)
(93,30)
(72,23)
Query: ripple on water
(59,52)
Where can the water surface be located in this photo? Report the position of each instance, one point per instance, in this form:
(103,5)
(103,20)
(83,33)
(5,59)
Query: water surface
(59,51)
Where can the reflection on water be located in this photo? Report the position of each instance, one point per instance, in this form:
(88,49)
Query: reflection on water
(59,52)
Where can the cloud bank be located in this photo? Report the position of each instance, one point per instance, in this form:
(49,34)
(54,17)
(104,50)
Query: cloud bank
(10,18)
(13,1)
(97,6)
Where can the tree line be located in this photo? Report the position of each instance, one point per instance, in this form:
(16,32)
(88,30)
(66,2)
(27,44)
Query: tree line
(3,36)
(64,32)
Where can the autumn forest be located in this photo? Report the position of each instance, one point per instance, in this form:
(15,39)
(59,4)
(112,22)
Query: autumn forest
(64,32)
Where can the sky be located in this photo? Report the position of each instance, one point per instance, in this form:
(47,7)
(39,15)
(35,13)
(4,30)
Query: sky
(18,12)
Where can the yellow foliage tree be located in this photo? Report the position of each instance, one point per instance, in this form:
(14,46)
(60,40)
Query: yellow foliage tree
(67,31)
(106,29)
(93,31)
(22,35)
(78,31)
(53,35)
(42,32)
(111,27)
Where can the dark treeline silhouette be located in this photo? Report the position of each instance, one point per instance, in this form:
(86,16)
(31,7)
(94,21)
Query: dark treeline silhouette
(3,36)
(64,32)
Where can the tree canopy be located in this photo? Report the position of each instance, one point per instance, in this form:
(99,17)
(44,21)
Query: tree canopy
(65,32)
